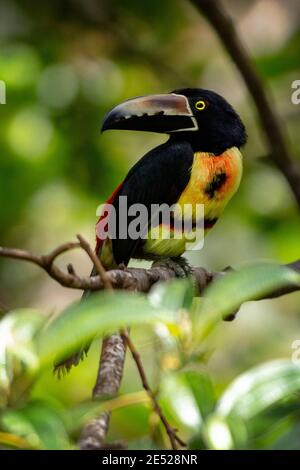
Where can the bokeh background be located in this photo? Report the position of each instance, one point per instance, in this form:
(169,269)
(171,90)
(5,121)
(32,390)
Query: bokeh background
(65,64)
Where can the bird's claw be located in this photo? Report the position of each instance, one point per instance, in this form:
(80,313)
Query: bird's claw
(179,266)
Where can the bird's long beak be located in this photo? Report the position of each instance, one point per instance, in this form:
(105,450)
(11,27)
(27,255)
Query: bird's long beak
(154,113)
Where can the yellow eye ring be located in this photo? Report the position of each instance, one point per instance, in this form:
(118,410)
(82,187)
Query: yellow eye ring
(200,105)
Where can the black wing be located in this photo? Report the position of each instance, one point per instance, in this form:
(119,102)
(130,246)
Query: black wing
(159,177)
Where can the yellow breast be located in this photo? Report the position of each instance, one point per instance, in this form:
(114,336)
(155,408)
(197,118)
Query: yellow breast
(214,180)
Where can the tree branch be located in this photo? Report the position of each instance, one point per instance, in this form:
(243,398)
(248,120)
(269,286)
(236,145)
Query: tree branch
(231,41)
(108,382)
(136,279)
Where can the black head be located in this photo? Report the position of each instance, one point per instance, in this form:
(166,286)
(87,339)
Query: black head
(201,117)
(219,125)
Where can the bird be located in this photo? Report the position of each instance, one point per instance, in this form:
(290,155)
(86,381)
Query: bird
(200,163)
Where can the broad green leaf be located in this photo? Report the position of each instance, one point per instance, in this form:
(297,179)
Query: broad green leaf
(228,292)
(48,425)
(203,391)
(218,433)
(197,442)
(257,408)
(39,424)
(100,314)
(173,295)
(290,438)
(263,433)
(129,423)
(260,388)
(179,402)
(15,423)
(224,432)
(264,429)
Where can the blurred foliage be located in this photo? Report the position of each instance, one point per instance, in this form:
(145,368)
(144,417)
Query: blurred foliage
(65,64)
(238,418)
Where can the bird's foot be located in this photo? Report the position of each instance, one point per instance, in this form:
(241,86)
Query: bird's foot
(179,265)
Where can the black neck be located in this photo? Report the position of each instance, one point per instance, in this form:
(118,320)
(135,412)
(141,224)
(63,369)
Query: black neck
(197,144)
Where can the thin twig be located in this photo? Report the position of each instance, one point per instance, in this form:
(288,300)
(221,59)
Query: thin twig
(172,432)
(46,262)
(97,263)
(232,42)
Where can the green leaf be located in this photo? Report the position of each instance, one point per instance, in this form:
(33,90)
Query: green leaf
(259,389)
(173,295)
(100,314)
(290,439)
(260,404)
(15,423)
(228,292)
(48,425)
(203,391)
(178,401)
(218,433)
(40,424)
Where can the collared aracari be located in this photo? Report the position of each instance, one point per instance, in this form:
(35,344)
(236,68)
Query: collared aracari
(200,163)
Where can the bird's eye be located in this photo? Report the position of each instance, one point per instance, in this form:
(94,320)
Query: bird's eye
(200,105)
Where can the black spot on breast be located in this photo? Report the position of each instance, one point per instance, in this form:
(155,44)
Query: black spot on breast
(215,184)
